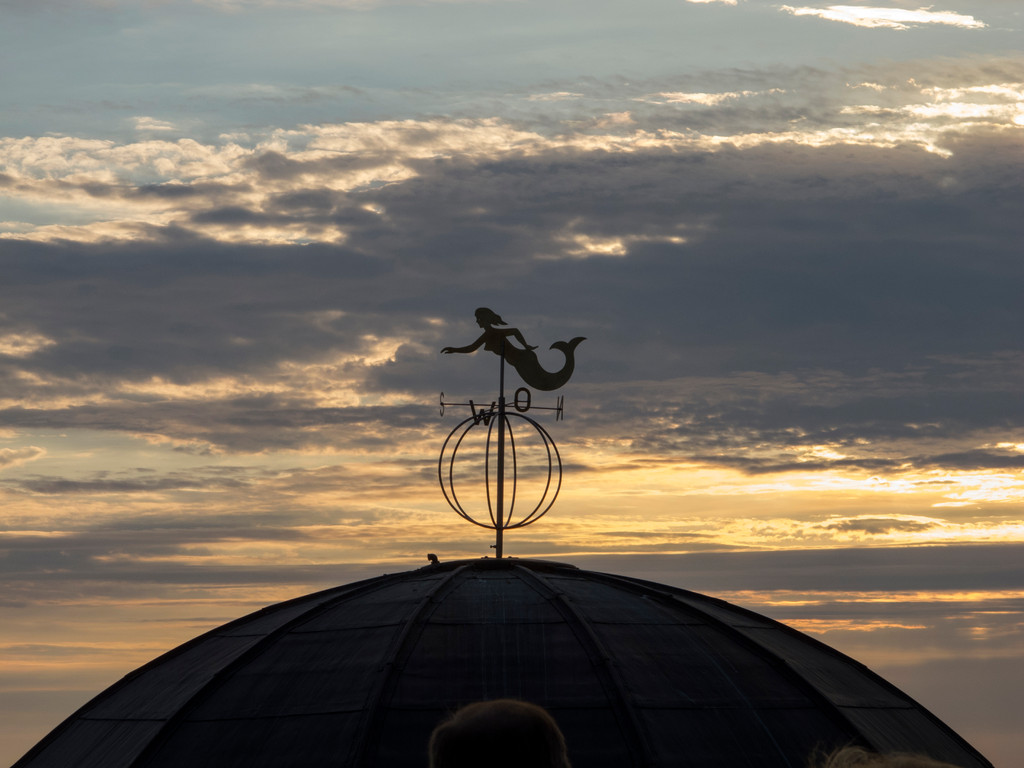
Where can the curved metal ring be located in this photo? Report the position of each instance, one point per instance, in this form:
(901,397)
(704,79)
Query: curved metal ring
(551,486)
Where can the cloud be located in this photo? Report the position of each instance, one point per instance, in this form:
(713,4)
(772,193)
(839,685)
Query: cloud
(319,330)
(23,344)
(773,303)
(555,96)
(881,525)
(299,185)
(144,123)
(758,466)
(273,93)
(707,99)
(232,6)
(220,334)
(976,459)
(990,568)
(53,486)
(886,18)
(12,457)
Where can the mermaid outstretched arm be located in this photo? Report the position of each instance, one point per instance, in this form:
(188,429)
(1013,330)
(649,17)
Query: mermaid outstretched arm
(468,348)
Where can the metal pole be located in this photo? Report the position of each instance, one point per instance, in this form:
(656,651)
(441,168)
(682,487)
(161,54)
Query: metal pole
(501,456)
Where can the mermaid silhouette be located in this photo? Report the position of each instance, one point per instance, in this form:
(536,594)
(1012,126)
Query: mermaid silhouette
(523,360)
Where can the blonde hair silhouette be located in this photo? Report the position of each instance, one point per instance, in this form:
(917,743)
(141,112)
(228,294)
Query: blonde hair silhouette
(858,757)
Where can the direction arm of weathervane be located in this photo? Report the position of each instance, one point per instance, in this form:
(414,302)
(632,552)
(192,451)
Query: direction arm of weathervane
(522,402)
(558,408)
(444,403)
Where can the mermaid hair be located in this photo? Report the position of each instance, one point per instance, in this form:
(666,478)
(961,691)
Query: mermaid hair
(485,315)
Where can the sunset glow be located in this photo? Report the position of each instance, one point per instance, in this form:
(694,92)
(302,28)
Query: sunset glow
(235,237)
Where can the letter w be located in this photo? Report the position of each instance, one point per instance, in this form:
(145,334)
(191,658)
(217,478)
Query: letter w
(482,415)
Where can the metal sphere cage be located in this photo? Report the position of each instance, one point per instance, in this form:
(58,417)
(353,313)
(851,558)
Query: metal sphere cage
(446,473)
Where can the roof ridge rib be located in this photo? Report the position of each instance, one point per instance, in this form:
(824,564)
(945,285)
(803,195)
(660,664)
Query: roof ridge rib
(105,694)
(394,662)
(660,591)
(155,743)
(619,695)
(773,658)
(676,596)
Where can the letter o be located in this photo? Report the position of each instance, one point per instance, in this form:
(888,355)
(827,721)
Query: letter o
(525,405)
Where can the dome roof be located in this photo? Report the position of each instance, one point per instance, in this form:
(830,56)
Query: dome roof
(636,673)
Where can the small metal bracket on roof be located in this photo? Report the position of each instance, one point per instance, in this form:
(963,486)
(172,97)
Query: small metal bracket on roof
(499,444)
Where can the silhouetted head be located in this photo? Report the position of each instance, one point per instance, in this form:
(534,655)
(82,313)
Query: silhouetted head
(504,733)
(858,757)
(485,317)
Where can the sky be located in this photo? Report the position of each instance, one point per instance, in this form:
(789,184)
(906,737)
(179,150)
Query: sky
(235,235)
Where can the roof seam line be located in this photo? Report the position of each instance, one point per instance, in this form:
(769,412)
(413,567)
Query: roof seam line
(204,690)
(759,650)
(623,704)
(394,661)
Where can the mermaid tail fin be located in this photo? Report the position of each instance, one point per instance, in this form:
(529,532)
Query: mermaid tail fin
(529,370)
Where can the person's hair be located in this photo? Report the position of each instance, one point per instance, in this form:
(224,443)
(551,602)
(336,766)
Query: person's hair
(504,733)
(858,757)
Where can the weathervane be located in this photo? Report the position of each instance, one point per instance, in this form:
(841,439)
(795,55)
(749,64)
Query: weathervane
(524,360)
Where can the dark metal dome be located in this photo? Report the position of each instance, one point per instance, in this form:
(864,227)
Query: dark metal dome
(636,673)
